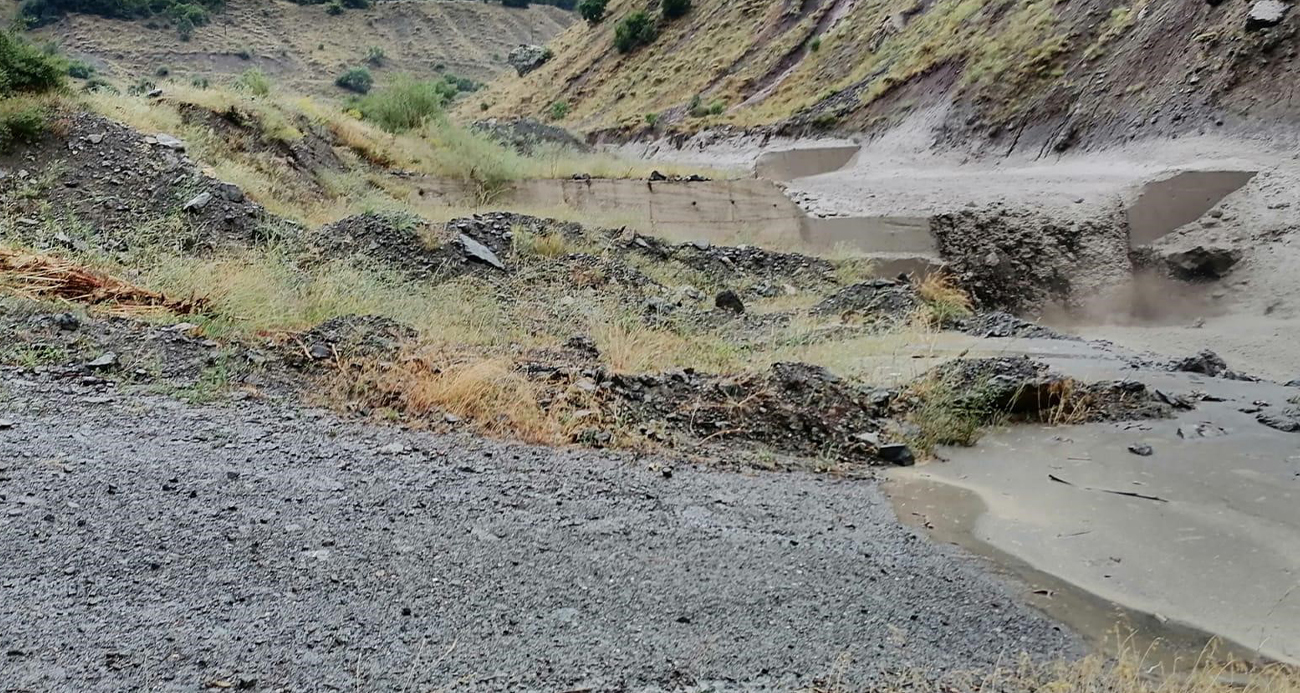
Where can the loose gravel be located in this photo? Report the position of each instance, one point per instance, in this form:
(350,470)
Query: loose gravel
(150,544)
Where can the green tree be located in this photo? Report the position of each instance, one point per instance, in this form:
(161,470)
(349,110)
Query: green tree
(592,10)
(673,9)
(634,31)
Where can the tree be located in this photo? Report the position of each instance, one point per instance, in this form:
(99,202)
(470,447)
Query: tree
(592,10)
(673,9)
(634,31)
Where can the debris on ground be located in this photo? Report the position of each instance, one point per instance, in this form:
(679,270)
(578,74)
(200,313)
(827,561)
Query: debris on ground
(39,276)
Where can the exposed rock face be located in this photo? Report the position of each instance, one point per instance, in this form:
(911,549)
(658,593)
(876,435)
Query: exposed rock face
(1018,260)
(525,134)
(526,58)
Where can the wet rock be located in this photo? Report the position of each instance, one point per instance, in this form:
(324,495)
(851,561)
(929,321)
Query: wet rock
(1285,420)
(896,454)
(319,351)
(728,300)
(527,57)
(1141,450)
(1202,262)
(1205,362)
(1266,13)
(6,424)
(479,252)
(656,177)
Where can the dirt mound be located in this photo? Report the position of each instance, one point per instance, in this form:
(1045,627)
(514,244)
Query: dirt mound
(307,157)
(1027,390)
(395,241)
(350,337)
(99,350)
(95,183)
(879,298)
(1001,325)
(793,407)
(1017,260)
(769,270)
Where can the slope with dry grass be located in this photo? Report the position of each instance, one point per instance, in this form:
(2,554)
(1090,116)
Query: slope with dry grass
(302,46)
(1016,72)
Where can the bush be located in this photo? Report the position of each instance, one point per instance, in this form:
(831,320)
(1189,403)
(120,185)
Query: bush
(80,70)
(514,3)
(357,80)
(199,83)
(375,56)
(184,14)
(20,122)
(634,31)
(815,44)
(253,81)
(98,84)
(334,8)
(356,4)
(673,9)
(558,110)
(26,69)
(592,10)
(407,103)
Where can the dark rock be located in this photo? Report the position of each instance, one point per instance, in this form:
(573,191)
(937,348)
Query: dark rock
(1202,263)
(320,351)
(656,177)
(897,454)
(1287,421)
(728,300)
(67,322)
(1002,325)
(480,252)
(1206,363)
(1141,450)
(526,57)
(582,343)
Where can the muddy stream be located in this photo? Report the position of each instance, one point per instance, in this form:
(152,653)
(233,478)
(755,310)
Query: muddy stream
(1197,543)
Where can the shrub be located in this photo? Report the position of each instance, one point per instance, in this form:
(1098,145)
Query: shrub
(25,68)
(673,9)
(375,56)
(20,122)
(558,110)
(334,8)
(80,70)
(634,31)
(98,84)
(406,104)
(357,80)
(815,44)
(162,71)
(592,10)
(652,119)
(244,54)
(199,83)
(514,3)
(39,12)
(356,4)
(253,81)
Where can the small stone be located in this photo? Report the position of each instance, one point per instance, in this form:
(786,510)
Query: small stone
(67,322)
(103,361)
(320,351)
(394,449)
(451,418)
(197,202)
(1141,450)
(165,140)
(95,137)
(6,424)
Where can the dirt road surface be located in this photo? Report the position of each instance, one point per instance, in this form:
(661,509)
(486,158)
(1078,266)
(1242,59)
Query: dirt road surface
(145,543)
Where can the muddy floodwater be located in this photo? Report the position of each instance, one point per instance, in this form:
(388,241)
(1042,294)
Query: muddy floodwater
(1202,536)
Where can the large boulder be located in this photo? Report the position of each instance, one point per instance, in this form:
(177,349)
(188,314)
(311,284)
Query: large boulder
(526,57)
(1266,13)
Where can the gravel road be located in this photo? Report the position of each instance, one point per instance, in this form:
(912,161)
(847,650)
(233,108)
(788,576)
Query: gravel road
(150,544)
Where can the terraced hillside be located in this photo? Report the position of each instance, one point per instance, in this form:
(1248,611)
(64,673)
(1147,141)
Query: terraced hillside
(1011,72)
(305,48)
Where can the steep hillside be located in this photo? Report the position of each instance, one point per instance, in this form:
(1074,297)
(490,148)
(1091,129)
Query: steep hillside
(306,48)
(1016,72)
